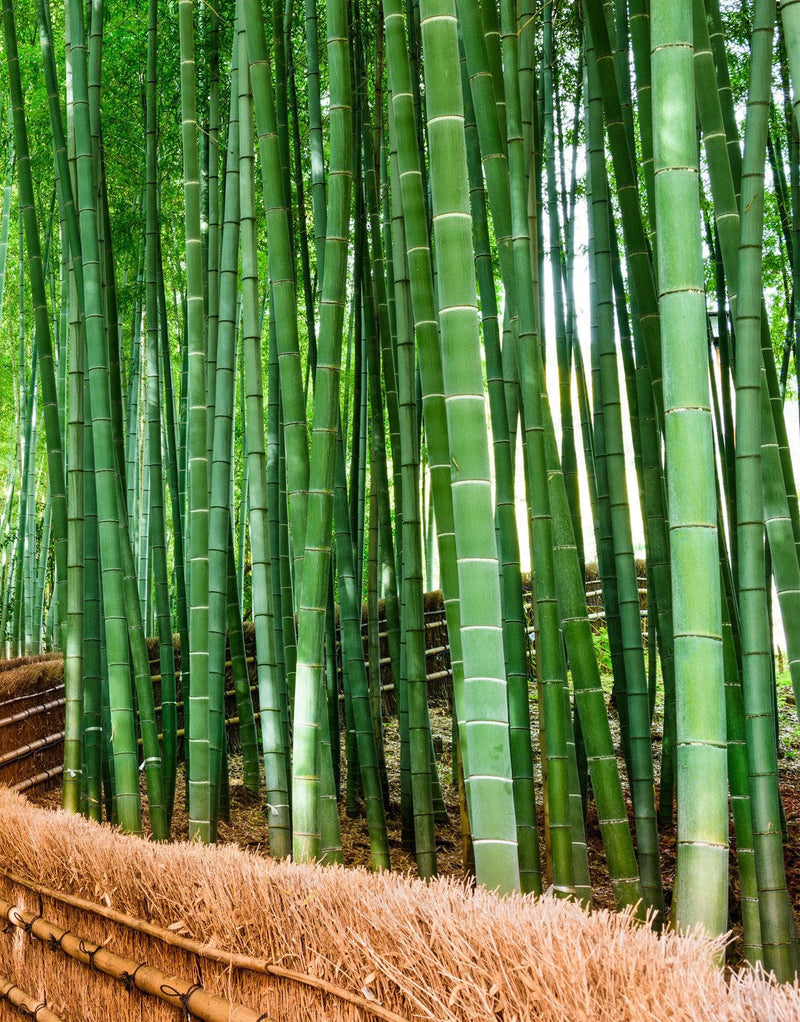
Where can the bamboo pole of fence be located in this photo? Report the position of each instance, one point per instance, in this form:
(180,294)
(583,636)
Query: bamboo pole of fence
(196,947)
(25,1002)
(192,997)
(41,778)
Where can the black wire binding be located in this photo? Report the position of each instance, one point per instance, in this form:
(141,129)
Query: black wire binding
(129,978)
(170,991)
(84,950)
(23,1009)
(184,998)
(54,942)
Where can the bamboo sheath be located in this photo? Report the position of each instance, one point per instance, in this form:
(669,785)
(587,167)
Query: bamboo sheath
(191,997)
(196,947)
(25,1002)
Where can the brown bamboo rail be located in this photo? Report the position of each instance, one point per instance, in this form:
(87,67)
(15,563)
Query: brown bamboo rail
(192,998)
(40,778)
(33,709)
(28,749)
(25,1002)
(209,952)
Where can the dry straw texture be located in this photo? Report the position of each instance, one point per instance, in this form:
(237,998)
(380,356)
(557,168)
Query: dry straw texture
(31,717)
(424,952)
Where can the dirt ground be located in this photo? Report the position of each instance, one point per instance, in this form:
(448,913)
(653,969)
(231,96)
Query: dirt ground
(247,826)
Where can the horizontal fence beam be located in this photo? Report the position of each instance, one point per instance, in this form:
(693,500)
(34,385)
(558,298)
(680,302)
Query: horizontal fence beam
(192,998)
(206,951)
(26,1003)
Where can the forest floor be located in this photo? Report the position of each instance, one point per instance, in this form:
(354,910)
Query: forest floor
(248,822)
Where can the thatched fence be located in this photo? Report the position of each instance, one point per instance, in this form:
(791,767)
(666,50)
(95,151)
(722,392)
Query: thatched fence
(100,926)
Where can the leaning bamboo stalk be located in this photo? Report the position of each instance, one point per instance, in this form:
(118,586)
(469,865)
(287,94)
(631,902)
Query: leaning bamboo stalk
(192,997)
(197,947)
(124,633)
(25,1002)
(43,339)
(282,285)
(777,929)
(607,383)
(640,267)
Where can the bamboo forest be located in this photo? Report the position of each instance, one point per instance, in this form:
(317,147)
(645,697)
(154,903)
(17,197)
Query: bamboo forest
(318,314)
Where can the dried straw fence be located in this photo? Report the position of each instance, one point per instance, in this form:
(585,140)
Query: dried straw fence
(101,926)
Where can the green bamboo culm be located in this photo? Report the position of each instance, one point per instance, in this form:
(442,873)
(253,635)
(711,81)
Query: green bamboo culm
(169,715)
(309,754)
(75,782)
(269,681)
(106,476)
(701,881)
(283,295)
(200,787)
(486,728)
(353,658)
(515,636)
(55,457)
(636,694)
(414,661)
(219,520)
(411,175)
(777,924)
